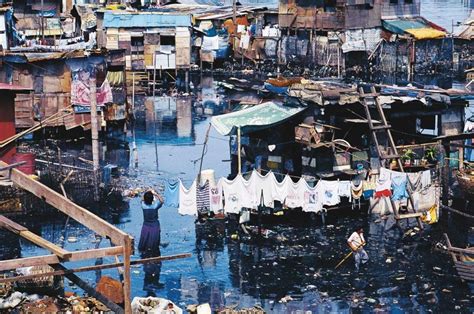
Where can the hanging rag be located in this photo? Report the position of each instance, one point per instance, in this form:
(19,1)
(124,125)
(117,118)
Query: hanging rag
(330,193)
(368,189)
(172,194)
(357,189)
(202,198)
(414,178)
(356,192)
(233,194)
(399,186)
(187,200)
(215,196)
(425,178)
(383,184)
(312,198)
(345,189)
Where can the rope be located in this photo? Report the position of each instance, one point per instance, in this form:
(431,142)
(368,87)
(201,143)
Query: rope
(457,211)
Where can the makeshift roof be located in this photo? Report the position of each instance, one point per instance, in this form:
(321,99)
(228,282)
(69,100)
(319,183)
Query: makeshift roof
(121,19)
(255,118)
(417,27)
(466,30)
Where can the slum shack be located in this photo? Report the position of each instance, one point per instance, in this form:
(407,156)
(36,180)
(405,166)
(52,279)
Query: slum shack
(155,39)
(43,23)
(311,137)
(464,48)
(60,81)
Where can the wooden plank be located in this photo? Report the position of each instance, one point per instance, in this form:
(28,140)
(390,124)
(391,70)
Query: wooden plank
(30,236)
(53,259)
(80,214)
(53,248)
(126,275)
(62,272)
(409,215)
(11,225)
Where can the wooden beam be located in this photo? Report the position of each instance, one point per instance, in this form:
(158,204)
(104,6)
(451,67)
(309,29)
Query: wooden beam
(127,284)
(53,259)
(80,214)
(25,233)
(63,272)
(409,215)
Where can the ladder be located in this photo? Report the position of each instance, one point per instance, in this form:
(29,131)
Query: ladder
(384,127)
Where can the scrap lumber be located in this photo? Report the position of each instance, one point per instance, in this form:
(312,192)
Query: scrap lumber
(68,207)
(63,272)
(53,259)
(36,239)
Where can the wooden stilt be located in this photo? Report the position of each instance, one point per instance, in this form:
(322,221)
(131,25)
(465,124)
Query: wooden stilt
(127,249)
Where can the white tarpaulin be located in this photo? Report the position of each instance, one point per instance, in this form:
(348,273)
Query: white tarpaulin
(361,39)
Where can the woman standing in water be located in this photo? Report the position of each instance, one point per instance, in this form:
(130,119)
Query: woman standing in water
(150,235)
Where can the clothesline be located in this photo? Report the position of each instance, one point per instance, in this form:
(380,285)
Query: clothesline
(233,196)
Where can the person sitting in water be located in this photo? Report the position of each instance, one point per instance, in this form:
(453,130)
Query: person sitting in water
(150,235)
(356,241)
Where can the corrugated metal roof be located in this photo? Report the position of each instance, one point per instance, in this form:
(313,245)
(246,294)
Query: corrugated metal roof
(146,19)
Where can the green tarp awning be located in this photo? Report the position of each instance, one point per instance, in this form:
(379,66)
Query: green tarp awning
(399,26)
(255,118)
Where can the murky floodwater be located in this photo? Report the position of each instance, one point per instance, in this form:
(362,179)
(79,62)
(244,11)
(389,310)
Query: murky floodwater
(446,13)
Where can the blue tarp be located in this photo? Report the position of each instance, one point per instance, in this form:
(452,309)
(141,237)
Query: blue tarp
(146,19)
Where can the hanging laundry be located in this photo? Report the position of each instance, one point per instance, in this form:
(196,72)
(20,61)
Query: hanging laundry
(399,186)
(356,189)
(233,194)
(426,198)
(368,189)
(172,194)
(345,189)
(203,200)
(280,189)
(295,193)
(330,193)
(215,196)
(244,216)
(187,200)
(264,184)
(383,184)
(356,192)
(251,191)
(312,198)
(414,180)
(425,178)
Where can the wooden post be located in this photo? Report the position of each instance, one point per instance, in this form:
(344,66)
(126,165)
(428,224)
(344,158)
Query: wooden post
(234,15)
(127,243)
(95,132)
(445,173)
(186,79)
(239,157)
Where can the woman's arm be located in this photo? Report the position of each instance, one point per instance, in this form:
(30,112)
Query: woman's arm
(158,196)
